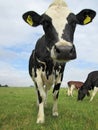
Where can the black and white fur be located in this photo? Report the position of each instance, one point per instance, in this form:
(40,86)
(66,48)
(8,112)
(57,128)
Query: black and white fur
(91,83)
(53,49)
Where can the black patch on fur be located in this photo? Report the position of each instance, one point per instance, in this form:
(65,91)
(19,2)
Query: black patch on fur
(38,92)
(39,97)
(68,32)
(56,87)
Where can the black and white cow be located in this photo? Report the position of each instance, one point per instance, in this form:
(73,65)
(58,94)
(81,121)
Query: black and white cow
(91,83)
(53,49)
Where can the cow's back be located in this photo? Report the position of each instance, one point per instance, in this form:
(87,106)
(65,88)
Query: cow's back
(77,84)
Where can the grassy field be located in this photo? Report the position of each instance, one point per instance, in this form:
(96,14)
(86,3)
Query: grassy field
(18,111)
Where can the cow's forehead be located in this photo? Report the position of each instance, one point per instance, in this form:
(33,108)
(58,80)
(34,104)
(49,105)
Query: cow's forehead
(59,16)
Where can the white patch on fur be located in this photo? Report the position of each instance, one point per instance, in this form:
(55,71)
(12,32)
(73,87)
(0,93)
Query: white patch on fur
(94,93)
(59,15)
(63,43)
(55,93)
(40,84)
(53,55)
(43,83)
(47,82)
(60,2)
(58,79)
(68,91)
(41,118)
(72,87)
(59,12)
(55,109)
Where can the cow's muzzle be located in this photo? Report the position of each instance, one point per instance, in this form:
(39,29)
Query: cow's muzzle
(65,52)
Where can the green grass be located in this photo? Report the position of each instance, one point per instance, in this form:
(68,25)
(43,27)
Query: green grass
(18,111)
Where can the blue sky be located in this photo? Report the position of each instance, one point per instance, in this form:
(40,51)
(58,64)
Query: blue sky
(17,40)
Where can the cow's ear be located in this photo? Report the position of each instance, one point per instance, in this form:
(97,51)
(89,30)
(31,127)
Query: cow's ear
(32,18)
(85,16)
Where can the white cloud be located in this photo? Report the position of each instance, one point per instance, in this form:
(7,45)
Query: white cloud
(13,77)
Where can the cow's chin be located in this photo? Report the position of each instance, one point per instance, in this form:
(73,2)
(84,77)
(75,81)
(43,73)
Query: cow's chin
(61,59)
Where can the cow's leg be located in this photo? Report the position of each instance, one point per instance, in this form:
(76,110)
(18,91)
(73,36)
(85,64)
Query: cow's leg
(55,98)
(41,97)
(46,91)
(71,90)
(94,93)
(68,92)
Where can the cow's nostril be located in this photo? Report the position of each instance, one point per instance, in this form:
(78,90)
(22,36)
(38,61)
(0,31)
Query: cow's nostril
(57,49)
(72,50)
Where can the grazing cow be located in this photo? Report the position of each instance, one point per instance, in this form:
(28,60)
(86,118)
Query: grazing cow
(91,83)
(73,85)
(53,49)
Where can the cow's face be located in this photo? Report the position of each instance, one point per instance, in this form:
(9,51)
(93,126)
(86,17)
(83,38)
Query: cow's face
(59,25)
(82,93)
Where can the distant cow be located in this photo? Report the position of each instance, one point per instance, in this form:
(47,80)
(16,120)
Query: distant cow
(73,85)
(53,49)
(91,83)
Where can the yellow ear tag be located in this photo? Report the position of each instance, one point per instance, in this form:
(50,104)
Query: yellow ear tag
(29,20)
(87,19)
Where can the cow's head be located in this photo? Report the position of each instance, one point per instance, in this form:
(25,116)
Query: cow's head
(59,24)
(82,93)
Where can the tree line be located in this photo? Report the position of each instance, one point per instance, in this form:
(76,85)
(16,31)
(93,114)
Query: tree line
(4,85)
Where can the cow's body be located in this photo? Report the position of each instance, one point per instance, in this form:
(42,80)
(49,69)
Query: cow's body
(46,74)
(91,83)
(73,85)
(53,49)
